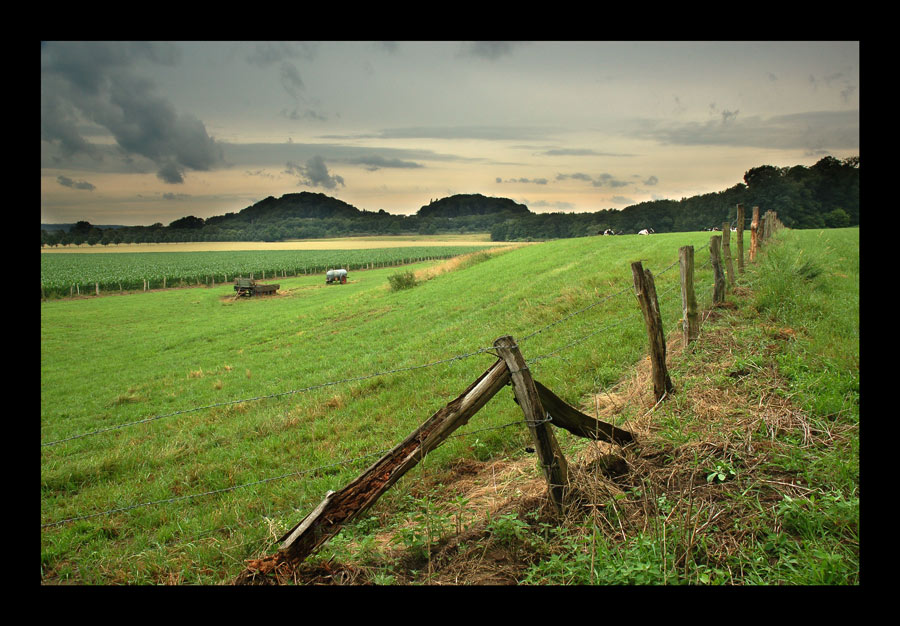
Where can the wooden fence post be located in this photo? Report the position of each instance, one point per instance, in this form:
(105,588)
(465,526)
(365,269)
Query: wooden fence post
(645,290)
(343,506)
(740,238)
(718,275)
(754,234)
(552,460)
(689,321)
(726,254)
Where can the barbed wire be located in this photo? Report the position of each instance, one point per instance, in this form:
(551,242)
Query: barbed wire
(273,395)
(343,462)
(330,383)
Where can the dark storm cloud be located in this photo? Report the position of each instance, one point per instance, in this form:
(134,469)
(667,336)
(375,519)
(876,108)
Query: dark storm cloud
(314,173)
(97,82)
(65,181)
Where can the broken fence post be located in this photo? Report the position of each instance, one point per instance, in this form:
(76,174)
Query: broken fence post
(645,290)
(552,460)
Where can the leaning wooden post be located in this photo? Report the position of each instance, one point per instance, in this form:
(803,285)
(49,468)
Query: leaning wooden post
(552,460)
(754,234)
(645,290)
(726,254)
(718,275)
(343,506)
(740,238)
(690,321)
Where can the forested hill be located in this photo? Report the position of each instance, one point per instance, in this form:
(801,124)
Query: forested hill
(825,195)
(471,204)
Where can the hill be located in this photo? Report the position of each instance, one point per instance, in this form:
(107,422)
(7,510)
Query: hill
(471,204)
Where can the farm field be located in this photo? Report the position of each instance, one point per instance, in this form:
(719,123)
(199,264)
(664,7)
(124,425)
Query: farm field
(81,274)
(334,243)
(184,431)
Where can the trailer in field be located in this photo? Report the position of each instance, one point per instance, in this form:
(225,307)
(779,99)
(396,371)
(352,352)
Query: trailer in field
(249,287)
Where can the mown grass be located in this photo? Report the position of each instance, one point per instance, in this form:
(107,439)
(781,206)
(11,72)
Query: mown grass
(116,360)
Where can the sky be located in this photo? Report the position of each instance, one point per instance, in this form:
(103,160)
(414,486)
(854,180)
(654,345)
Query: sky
(136,133)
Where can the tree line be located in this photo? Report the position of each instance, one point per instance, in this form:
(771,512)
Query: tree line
(825,195)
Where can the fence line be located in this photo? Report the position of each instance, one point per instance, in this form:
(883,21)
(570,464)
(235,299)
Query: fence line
(348,461)
(337,382)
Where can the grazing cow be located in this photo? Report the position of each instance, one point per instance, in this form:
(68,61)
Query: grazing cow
(646,231)
(609,231)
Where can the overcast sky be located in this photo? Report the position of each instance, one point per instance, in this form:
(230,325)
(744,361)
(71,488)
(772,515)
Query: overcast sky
(138,133)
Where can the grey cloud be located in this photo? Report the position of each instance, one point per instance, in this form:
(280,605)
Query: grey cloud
(466,132)
(491,50)
(271,52)
(536,181)
(314,173)
(728,116)
(97,82)
(290,79)
(170,173)
(651,181)
(374,162)
(621,200)
(65,181)
(308,114)
(601,180)
(581,152)
(815,130)
(175,196)
(607,180)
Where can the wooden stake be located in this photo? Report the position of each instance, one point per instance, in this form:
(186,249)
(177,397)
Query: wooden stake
(552,460)
(754,234)
(740,238)
(645,290)
(726,254)
(690,321)
(718,275)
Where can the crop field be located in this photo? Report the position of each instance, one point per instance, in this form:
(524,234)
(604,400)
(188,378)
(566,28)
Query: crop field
(64,274)
(183,431)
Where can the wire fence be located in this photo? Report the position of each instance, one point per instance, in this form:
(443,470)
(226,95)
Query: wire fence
(352,460)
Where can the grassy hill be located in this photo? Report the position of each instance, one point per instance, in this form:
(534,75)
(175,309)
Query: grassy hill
(254,409)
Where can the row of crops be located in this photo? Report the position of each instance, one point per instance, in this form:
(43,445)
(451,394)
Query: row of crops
(69,274)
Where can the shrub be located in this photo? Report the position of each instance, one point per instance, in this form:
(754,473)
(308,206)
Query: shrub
(403,280)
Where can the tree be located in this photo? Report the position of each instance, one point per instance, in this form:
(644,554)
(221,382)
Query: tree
(187,222)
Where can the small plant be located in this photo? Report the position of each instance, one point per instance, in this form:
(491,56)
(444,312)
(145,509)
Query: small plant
(403,280)
(720,474)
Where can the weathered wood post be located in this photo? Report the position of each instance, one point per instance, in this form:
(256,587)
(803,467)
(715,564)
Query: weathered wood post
(343,506)
(690,321)
(754,234)
(726,254)
(552,460)
(645,290)
(740,238)
(718,275)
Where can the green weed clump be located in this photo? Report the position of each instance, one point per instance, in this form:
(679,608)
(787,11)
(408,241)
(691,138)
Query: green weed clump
(403,280)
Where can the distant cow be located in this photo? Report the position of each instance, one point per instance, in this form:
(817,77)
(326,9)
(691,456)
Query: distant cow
(646,231)
(609,231)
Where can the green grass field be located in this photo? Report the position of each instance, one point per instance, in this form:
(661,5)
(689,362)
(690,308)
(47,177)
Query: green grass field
(183,431)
